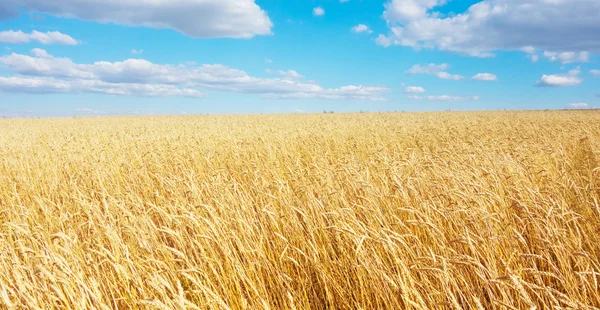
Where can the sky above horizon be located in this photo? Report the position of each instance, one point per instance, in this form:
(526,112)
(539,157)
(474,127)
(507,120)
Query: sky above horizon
(132,57)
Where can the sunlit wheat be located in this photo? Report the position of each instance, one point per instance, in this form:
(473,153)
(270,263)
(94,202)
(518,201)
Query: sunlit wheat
(495,210)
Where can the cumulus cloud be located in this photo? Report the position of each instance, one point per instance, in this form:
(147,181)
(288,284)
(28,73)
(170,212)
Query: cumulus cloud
(44,73)
(491,25)
(578,105)
(414,90)
(528,49)
(567,57)
(47,38)
(40,53)
(407,10)
(485,77)
(448,76)
(290,74)
(350,92)
(560,80)
(443,98)
(436,70)
(318,11)
(361,28)
(195,18)
(595,73)
(135,52)
(26,84)
(384,41)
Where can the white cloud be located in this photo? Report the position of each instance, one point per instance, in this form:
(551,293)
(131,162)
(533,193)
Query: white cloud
(578,105)
(560,80)
(383,41)
(443,98)
(195,18)
(33,85)
(343,93)
(91,112)
(448,76)
(433,69)
(492,25)
(567,57)
(48,74)
(50,37)
(595,73)
(25,84)
(290,74)
(135,52)
(485,77)
(362,28)
(40,53)
(318,11)
(88,111)
(414,90)
(528,49)
(407,10)
(430,69)
(269,61)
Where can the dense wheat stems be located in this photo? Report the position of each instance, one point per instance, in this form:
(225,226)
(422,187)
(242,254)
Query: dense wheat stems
(497,210)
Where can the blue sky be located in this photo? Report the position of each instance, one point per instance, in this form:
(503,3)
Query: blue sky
(92,57)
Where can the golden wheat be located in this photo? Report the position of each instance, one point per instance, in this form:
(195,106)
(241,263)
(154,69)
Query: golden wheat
(495,210)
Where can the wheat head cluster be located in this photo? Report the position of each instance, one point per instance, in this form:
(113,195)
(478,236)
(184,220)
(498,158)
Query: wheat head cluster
(478,210)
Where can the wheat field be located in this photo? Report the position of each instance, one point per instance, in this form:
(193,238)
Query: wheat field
(453,210)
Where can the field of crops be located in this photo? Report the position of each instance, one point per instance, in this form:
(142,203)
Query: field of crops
(481,210)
